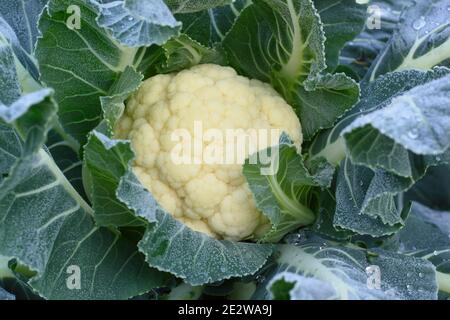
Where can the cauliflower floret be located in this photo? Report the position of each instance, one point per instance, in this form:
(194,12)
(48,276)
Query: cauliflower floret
(204,103)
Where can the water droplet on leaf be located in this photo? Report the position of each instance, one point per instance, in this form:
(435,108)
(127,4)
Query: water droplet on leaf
(413,134)
(419,24)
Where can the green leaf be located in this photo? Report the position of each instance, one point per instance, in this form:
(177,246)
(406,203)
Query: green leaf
(365,200)
(360,53)
(64,152)
(342,273)
(9,84)
(427,235)
(80,64)
(186,6)
(373,149)
(286,195)
(171,246)
(282,42)
(209,27)
(107,161)
(324,225)
(422,40)
(136,23)
(18,23)
(183,53)
(22,16)
(418,120)
(47,226)
(342,22)
(113,104)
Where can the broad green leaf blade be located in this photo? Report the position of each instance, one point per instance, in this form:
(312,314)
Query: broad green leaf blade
(80,64)
(426,230)
(22,16)
(421,42)
(31,121)
(278,39)
(365,200)
(136,23)
(9,82)
(108,164)
(64,152)
(171,246)
(382,21)
(417,120)
(324,225)
(427,235)
(342,22)
(282,42)
(48,227)
(209,27)
(342,272)
(186,6)
(374,150)
(183,53)
(285,196)
(323,100)
(110,266)
(113,104)
(21,30)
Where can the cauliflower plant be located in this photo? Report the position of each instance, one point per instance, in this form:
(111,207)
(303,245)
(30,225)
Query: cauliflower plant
(213,198)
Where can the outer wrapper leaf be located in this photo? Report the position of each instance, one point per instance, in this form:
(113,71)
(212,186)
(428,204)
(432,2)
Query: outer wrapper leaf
(81,63)
(197,258)
(418,120)
(342,22)
(422,40)
(341,273)
(136,23)
(47,226)
(286,195)
(282,42)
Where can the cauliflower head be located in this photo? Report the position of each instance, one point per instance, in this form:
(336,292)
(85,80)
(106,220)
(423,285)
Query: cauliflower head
(209,197)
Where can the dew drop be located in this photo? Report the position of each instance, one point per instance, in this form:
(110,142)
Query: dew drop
(419,24)
(413,134)
(435,253)
(361,183)
(420,275)
(130,18)
(409,287)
